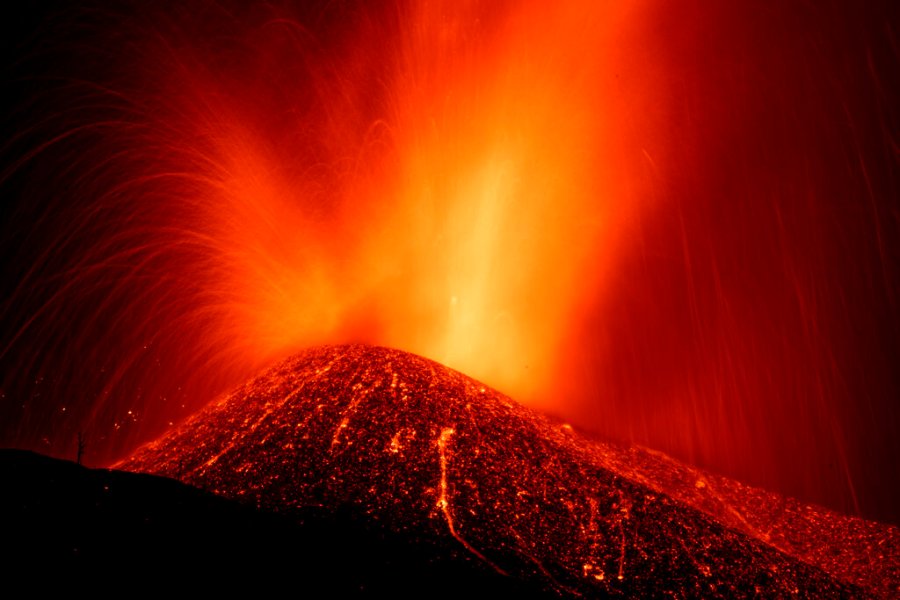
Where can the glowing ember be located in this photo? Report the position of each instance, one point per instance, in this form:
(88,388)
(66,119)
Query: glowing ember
(423,449)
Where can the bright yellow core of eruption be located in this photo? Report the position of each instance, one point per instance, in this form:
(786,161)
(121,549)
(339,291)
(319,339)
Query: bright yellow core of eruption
(477,228)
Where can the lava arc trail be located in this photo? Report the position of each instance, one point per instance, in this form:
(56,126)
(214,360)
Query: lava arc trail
(425,450)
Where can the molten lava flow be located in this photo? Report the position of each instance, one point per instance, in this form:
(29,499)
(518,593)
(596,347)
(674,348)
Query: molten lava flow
(424,450)
(674,224)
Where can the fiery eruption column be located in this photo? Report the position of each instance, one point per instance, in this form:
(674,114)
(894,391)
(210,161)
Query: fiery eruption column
(672,225)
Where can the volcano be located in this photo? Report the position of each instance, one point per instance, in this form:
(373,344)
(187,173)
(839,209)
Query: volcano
(419,450)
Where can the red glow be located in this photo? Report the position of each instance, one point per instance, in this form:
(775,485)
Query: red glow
(674,225)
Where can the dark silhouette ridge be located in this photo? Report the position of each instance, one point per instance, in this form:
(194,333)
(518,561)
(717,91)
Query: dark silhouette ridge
(100,527)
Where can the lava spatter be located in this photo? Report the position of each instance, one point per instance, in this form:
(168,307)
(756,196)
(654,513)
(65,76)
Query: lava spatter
(423,449)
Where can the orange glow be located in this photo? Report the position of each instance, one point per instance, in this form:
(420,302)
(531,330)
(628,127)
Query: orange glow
(673,224)
(472,220)
(510,200)
(468,219)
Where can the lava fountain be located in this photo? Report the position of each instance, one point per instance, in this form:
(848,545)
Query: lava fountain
(676,226)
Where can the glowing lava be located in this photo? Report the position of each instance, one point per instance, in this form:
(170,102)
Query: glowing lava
(423,449)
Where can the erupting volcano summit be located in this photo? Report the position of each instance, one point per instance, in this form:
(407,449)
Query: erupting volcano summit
(421,449)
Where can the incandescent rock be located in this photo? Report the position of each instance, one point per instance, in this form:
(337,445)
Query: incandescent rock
(423,451)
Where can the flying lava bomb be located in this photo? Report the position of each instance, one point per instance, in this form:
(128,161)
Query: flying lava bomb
(673,226)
